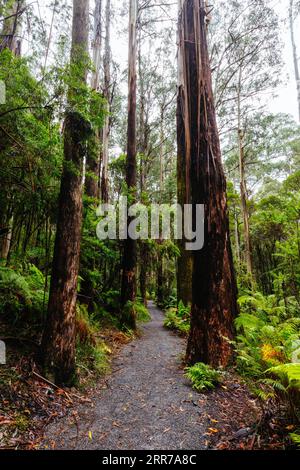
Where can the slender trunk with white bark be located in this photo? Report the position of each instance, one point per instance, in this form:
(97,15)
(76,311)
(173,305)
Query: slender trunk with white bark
(107,96)
(92,182)
(243,184)
(11,31)
(295,56)
(128,292)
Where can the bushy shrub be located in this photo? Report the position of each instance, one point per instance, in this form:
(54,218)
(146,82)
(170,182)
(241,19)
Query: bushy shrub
(22,294)
(141,313)
(203,377)
(93,358)
(178,319)
(92,354)
(268,337)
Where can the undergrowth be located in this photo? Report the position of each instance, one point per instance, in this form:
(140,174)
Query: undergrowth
(203,377)
(92,353)
(178,319)
(22,294)
(267,350)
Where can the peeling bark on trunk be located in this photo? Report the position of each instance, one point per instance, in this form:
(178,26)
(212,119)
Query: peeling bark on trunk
(243,185)
(244,205)
(92,182)
(10,38)
(58,342)
(143,121)
(185,260)
(237,237)
(128,292)
(107,96)
(295,55)
(143,144)
(214,304)
(10,34)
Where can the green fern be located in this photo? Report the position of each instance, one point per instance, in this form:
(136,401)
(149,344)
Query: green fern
(295,437)
(203,377)
(289,374)
(178,321)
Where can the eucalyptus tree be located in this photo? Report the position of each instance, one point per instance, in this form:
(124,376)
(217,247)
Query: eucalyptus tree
(107,94)
(214,288)
(58,342)
(10,33)
(128,290)
(10,38)
(293,10)
(247,66)
(93,155)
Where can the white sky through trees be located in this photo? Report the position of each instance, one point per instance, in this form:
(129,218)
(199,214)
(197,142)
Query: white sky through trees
(285,100)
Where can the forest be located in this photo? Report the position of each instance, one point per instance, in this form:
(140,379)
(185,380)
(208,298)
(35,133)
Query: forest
(150,225)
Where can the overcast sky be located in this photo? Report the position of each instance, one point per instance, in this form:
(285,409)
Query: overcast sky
(285,102)
(287,94)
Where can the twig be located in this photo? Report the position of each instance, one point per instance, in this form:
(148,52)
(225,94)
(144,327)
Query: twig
(52,384)
(256,432)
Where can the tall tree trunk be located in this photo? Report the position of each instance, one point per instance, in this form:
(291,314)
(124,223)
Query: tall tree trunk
(7,238)
(144,269)
(107,96)
(10,38)
(244,204)
(295,56)
(58,342)
(237,237)
(94,146)
(160,260)
(185,259)
(243,185)
(128,292)
(144,255)
(143,124)
(160,281)
(214,288)
(161,152)
(10,34)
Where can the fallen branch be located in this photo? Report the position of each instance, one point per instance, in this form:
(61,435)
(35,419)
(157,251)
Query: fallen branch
(52,385)
(58,388)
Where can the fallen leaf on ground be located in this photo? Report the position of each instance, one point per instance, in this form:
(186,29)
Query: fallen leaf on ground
(213,430)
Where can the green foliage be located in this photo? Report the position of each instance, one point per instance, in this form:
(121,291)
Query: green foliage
(92,354)
(295,437)
(203,377)
(93,358)
(142,313)
(137,309)
(284,381)
(171,301)
(268,338)
(178,319)
(22,294)
(289,375)
(266,334)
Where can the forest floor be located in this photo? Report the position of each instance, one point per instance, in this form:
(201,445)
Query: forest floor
(147,403)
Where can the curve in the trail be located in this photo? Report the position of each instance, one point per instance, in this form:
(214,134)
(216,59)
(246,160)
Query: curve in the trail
(147,404)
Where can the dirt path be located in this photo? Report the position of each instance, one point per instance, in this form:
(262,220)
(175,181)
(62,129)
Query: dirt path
(147,404)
